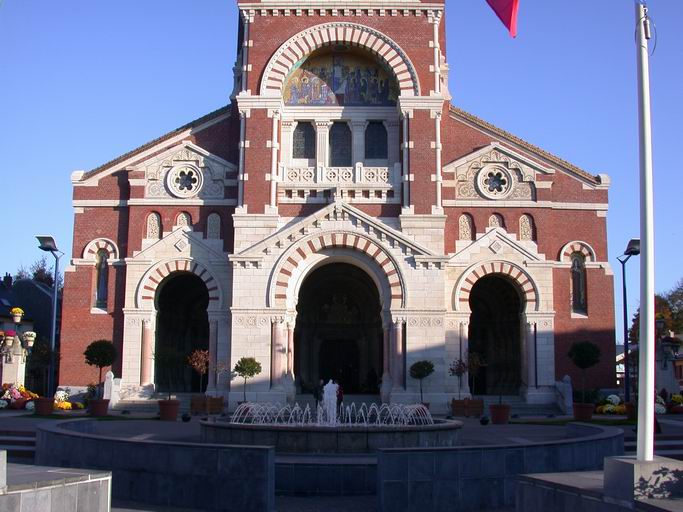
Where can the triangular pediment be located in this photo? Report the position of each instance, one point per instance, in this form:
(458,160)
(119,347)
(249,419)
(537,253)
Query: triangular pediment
(499,243)
(337,211)
(182,242)
(496,153)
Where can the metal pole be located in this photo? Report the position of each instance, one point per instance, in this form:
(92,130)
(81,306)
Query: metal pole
(646,377)
(627,386)
(53,332)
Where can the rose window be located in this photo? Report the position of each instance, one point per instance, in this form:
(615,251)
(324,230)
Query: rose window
(184,181)
(494,182)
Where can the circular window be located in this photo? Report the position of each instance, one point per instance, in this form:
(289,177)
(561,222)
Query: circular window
(494,182)
(184,181)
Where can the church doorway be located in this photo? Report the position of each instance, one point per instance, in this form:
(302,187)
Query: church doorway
(182,327)
(495,335)
(338,331)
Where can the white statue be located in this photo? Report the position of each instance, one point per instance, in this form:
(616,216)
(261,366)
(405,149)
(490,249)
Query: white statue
(329,403)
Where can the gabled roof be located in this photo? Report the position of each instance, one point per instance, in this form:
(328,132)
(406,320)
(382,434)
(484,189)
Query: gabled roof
(148,145)
(507,136)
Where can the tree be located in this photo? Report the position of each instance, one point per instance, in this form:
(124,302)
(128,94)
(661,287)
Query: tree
(39,271)
(668,307)
(247,367)
(458,368)
(100,353)
(584,355)
(420,371)
(199,361)
(168,360)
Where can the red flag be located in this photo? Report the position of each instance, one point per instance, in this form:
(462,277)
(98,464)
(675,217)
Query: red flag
(506,10)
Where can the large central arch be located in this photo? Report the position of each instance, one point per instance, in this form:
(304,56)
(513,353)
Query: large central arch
(355,248)
(311,39)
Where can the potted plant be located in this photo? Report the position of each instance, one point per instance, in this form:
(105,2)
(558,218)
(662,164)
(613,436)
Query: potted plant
(458,368)
(100,353)
(500,412)
(199,362)
(584,355)
(9,337)
(16,313)
(168,361)
(29,338)
(475,362)
(247,367)
(420,370)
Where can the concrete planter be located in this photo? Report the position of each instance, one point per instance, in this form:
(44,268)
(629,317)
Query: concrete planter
(98,407)
(168,410)
(43,406)
(583,412)
(500,414)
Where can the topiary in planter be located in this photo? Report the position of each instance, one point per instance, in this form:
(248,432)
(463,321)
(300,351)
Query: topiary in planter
(247,367)
(584,355)
(420,371)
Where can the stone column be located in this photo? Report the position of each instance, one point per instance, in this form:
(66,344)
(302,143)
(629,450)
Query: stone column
(530,354)
(385,390)
(464,355)
(146,357)
(213,354)
(286,135)
(358,141)
(322,133)
(290,349)
(405,177)
(393,143)
(278,357)
(397,370)
(273,165)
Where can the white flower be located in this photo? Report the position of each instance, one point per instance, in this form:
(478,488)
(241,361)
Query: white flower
(3,404)
(61,396)
(30,406)
(660,409)
(609,408)
(659,400)
(614,399)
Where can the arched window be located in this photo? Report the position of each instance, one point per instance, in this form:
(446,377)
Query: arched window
(578,269)
(527,230)
(376,141)
(153,226)
(101,278)
(183,219)
(496,221)
(465,227)
(213,226)
(303,145)
(340,145)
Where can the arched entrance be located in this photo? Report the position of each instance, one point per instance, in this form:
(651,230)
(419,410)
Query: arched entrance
(495,334)
(182,326)
(338,331)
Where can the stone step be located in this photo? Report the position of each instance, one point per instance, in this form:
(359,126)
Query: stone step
(17,440)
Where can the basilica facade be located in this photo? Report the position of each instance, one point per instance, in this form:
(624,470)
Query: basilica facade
(340,218)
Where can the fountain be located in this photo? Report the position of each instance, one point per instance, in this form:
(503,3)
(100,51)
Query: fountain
(348,428)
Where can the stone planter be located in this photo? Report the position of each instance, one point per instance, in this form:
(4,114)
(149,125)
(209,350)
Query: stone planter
(583,412)
(467,407)
(168,410)
(500,414)
(44,406)
(98,407)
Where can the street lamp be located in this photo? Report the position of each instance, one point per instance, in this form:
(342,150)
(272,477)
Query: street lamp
(632,249)
(47,243)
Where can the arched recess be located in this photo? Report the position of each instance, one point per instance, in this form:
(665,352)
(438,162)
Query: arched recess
(577,246)
(146,293)
(94,246)
(524,282)
(300,259)
(304,43)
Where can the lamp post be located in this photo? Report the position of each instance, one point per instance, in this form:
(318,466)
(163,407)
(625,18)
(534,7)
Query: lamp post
(47,243)
(632,249)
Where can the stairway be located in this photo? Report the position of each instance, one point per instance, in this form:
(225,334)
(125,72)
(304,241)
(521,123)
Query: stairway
(670,446)
(150,406)
(20,445)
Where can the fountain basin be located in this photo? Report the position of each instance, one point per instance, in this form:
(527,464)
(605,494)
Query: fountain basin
(337,439)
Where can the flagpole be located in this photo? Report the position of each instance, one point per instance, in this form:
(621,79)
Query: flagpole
(646,379)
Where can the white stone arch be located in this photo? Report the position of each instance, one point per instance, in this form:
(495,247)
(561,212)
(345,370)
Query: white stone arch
(307,41)
(94,246)
(146,294)
(329,247)
(577,246)
(525,284)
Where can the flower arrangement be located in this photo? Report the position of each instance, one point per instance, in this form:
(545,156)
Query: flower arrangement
(614,399)
(61,396)
(611,405)
(676,399)
(660,408)
(63,406)
(16,311)
(10,333)
(29,337)
(16,396)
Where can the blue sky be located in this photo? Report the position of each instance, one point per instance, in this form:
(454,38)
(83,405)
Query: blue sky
(82,82)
